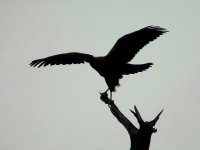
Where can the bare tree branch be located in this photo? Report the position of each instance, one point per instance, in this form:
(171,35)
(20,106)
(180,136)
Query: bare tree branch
(140,138)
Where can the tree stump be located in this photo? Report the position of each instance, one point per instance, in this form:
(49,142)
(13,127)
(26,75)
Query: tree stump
(140,138)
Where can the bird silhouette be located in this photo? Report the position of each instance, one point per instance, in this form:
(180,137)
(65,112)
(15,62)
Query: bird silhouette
(115,64)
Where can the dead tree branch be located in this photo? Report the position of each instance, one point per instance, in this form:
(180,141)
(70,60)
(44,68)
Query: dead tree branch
(140,138)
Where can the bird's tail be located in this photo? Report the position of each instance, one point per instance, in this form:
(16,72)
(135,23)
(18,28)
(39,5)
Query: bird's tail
(131,69)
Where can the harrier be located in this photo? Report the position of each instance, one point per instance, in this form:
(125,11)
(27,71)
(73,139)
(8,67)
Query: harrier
(115,64)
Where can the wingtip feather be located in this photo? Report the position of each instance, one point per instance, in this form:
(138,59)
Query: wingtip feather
(38,62)
(158,28)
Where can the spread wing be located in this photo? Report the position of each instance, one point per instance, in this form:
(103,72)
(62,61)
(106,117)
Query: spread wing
(127,46)
(62,59)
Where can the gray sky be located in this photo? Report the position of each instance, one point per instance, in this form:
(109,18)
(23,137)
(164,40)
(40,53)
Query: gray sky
(59,107)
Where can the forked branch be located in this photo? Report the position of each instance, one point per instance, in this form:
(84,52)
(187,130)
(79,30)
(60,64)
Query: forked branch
(140,138)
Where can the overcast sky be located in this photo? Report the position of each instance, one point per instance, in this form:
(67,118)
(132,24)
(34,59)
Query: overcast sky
(58,108)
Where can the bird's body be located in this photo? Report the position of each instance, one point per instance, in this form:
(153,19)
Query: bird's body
(115,64)
(113,71)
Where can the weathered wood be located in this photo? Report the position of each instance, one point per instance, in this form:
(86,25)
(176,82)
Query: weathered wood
(140,138)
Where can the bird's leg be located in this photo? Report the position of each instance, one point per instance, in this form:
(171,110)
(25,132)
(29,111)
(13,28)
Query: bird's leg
(110,95)
(106,93)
